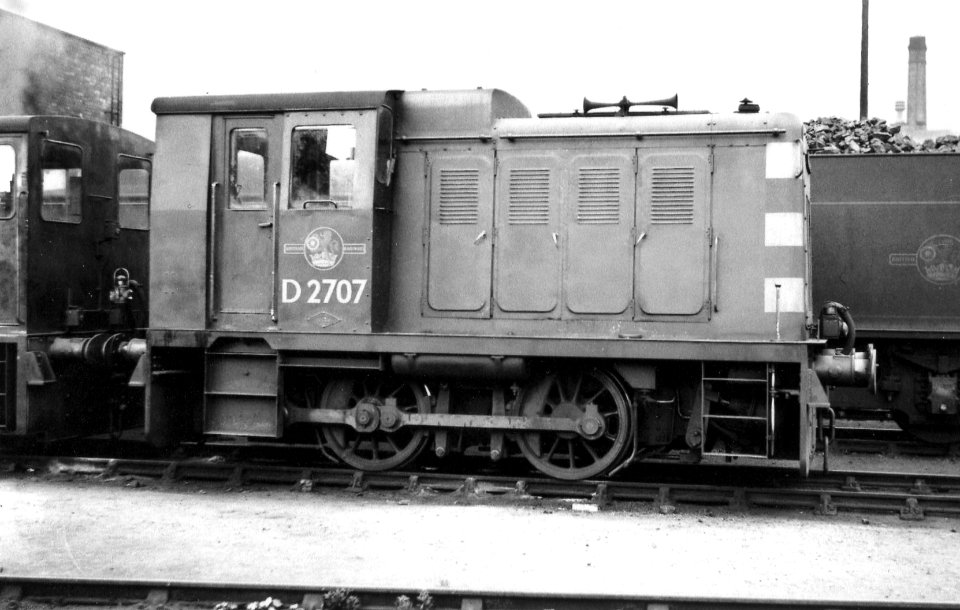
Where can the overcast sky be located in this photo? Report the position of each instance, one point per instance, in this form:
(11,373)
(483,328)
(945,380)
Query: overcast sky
(799,56)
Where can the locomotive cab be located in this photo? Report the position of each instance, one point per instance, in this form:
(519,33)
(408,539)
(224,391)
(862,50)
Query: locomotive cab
(71,296)
(296,202)
(298,213)
(13,161)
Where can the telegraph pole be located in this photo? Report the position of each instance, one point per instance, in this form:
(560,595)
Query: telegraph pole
(864,37)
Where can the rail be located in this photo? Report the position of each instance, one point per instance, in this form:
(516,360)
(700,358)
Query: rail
(61,592)
(663,486)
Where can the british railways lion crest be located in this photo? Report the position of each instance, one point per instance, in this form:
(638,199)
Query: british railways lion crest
(323,248)
(937,260)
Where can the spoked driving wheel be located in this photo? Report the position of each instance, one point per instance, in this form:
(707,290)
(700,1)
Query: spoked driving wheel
(378,443)
(592,399)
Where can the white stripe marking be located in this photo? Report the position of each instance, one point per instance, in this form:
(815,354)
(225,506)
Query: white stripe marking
(783,160)
(784,229)
(791,294)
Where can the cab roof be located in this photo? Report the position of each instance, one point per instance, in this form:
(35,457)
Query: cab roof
(273,102)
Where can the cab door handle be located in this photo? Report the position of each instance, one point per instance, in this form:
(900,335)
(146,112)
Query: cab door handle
(265,225)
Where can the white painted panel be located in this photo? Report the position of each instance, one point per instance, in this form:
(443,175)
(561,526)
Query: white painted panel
(791,294)
(783,160)
(783,229)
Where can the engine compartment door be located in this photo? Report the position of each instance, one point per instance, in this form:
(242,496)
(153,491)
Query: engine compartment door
(672,240)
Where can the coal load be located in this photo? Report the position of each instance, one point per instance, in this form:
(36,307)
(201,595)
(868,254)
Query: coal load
(835,136)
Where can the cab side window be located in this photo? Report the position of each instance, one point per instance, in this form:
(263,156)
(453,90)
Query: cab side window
(8,181)
(133,192)
(323,167)
(62,193)
(248,169)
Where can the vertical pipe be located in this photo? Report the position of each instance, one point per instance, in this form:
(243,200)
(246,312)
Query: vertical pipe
(778,310)
(864,39)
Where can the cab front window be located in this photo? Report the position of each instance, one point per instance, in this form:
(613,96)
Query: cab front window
(8,181)
(323,167)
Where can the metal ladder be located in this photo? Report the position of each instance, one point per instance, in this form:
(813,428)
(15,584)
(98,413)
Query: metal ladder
(729,432)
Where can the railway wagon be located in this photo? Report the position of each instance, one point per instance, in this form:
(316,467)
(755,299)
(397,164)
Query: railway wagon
(886,242)
(379,273)
(74,199)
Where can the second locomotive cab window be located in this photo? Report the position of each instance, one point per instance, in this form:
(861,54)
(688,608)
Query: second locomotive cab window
(8,181)
(323,167)
(62,165)
(133,190)
(248,169)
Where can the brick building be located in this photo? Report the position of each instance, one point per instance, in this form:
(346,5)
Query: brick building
(44,70)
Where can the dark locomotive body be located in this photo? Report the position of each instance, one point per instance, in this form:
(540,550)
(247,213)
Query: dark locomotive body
(73,246)
(379,273)
(886,243)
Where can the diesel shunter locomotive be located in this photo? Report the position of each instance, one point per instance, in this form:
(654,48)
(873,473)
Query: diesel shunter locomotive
(74,215)
(383,273)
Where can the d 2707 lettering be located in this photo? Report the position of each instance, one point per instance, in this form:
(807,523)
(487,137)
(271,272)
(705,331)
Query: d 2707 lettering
(323,291)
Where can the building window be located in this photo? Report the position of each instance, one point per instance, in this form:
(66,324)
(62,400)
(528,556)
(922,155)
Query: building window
(133,191)
(62,168)
(248,169)
(323,167)
(8,181)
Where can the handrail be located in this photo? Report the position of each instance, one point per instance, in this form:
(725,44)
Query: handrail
(212,253)
(775,132)
(276,260)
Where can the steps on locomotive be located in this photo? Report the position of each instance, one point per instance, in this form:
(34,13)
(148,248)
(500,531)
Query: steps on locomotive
(241,389)
(738,409)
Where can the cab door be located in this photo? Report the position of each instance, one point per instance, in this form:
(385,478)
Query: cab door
(245,196)
(326,261)
(12,183)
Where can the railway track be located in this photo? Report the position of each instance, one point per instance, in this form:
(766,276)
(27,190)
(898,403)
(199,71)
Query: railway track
(664,487)
(888,441)
(69,593)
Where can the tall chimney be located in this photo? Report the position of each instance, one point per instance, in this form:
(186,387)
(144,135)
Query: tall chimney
(917,83)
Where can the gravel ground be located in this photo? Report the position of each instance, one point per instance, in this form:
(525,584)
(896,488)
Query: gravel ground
(93,529)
